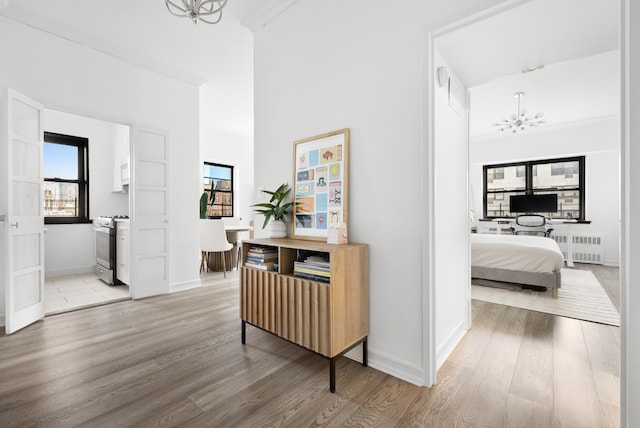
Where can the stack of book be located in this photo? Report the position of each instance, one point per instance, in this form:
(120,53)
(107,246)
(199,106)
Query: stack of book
(316,268)
(262,258)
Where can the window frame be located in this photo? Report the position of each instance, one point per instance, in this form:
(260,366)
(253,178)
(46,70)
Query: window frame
(82,144)
(231,192)
(529,190)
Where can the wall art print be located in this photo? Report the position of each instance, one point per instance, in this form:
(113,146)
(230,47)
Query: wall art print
(321,184)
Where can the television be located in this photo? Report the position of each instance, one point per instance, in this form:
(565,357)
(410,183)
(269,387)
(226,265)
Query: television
(547,203)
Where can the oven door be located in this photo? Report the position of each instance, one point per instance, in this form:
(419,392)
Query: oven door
(105,252)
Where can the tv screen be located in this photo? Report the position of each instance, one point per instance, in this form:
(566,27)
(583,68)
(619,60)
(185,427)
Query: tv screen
(534,203)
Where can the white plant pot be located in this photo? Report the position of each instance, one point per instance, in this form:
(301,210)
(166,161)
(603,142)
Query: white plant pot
(277,229)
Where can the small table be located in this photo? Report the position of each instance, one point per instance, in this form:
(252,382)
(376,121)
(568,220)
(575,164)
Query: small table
(231,256)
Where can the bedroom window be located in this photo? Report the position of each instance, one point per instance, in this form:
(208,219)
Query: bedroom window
(564,177)
(218,183)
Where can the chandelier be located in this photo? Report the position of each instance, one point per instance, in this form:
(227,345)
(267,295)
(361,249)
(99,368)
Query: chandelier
(520,121)
(209,11)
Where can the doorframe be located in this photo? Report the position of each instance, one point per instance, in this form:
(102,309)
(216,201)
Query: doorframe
(105,118)
(429,186)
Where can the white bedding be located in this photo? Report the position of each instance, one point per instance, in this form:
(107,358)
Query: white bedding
(516,252)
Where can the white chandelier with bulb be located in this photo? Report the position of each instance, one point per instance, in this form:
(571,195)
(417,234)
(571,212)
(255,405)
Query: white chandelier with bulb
(520,121)
(209,11)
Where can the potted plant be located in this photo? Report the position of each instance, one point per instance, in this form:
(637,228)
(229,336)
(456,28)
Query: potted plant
(204,200)
(275,211)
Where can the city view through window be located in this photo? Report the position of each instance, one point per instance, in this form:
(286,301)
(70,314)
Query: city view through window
(564,177)
(65,159)
(218,184)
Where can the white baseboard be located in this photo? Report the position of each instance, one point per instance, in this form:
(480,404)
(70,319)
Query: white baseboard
(389,364)
(71,271)
(447,347)
(182,286)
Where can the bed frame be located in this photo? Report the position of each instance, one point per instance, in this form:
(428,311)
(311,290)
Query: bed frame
(548,280)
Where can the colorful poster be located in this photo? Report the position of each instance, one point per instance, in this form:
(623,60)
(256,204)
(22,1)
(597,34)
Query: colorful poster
(321,220)
(335,194)
(306,205)
(322,180)
(320,184)
(335,172)
(331,154)
(305,221)
(314,156)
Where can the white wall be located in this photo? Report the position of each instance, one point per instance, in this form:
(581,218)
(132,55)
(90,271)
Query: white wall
(452,276)
(69,77)
(323,66)
(598,140)
(230,147)
(69,247)
(226,120)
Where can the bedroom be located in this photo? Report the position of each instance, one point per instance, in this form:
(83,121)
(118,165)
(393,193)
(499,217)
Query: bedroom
(574,89)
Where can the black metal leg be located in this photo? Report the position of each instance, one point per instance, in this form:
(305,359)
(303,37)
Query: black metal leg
(244,332)
(332,374)
(365,352)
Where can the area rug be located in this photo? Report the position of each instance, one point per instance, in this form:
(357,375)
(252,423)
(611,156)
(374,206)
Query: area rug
(581,296)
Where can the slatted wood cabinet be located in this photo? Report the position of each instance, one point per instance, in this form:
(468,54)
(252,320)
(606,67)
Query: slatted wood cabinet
(327,318)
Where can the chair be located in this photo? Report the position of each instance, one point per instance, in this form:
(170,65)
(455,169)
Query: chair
(531,224)
(213,239)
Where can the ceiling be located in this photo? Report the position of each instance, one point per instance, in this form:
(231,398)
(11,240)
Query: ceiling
(487,56)
(553,50)
(145,33)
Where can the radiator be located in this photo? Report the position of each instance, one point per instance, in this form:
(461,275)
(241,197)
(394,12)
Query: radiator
(587,248)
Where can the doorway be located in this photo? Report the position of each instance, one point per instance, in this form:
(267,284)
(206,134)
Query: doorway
(71,281)
(436,38)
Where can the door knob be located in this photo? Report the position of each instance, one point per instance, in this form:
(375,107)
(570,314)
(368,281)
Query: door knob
(14,224)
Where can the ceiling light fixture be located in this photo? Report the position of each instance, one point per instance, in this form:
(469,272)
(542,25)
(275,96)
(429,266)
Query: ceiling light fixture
(520,121)
(209,11)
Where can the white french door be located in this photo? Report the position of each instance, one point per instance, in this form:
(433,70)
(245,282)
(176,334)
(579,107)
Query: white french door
(22,211)
(149,217)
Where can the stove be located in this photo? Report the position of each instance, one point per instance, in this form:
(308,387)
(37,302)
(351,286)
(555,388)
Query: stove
(108,220)
(105,235)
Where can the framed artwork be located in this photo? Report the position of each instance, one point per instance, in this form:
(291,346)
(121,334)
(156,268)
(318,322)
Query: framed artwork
(321,184)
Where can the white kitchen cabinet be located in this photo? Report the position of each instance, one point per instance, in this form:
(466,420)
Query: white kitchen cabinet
(121,163)
(123,253)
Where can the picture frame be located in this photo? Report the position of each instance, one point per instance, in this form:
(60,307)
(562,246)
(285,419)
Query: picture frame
(320,184)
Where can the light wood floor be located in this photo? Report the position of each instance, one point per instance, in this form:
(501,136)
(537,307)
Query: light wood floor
(177,360)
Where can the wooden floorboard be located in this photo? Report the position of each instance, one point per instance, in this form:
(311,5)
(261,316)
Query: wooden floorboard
(177,360)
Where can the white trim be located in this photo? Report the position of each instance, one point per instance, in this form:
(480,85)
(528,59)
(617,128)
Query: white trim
(70,271)
(183,286)
(625,202)
(428,194)
(447,347)
(388,364)
(269,10)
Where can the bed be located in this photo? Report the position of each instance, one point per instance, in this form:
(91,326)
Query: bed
(528,260)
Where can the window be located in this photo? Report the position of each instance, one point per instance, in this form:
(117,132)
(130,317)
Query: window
(564,177)
(218,183)
(66,179)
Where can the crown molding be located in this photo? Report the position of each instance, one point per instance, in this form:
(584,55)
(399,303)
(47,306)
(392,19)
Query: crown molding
(267,12)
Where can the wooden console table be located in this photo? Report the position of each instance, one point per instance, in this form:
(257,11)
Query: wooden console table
(329,318)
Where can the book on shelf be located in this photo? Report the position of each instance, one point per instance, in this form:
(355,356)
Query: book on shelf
(263,266)
(260,259)
(264,258)
(314,267)
(312,276)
